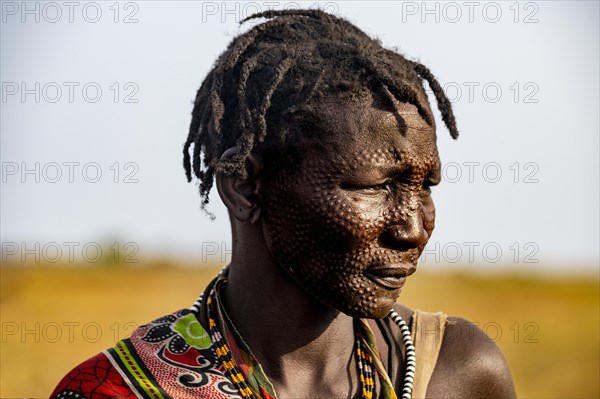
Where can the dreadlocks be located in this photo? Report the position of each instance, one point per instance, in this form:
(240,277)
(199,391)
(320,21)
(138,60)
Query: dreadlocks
(271,78)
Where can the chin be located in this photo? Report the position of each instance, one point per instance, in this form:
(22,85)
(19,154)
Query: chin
(377,310)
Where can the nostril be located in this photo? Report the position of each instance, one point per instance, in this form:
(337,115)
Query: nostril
(403,237)
(391,239)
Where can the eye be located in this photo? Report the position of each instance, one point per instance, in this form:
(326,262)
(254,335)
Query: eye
(367,188)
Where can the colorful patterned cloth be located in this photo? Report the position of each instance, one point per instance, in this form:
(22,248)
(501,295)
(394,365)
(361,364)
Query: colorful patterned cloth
(169,358)
(173,357)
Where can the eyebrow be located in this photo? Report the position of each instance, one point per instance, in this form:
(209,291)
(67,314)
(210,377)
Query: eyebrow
(382,171)
(390,169)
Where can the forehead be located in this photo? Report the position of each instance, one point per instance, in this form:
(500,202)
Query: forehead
(374,125)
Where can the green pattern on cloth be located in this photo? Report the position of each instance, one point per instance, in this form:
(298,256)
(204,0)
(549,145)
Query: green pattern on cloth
(192,331)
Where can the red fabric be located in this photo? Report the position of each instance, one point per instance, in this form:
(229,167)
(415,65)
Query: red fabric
(95,378)
(265,394)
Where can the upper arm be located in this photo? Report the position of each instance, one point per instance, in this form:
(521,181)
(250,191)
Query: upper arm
(470,365)
(96,377)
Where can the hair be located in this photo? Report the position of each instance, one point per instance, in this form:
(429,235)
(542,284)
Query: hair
(268,82)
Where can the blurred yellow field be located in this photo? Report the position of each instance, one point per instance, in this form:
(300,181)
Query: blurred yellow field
(53,318)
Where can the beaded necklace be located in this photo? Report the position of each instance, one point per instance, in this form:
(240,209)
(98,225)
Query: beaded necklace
(363,359)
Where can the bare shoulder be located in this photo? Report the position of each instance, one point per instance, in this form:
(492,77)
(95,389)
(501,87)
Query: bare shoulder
(470,365)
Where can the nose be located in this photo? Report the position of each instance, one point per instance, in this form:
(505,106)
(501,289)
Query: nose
(408,232)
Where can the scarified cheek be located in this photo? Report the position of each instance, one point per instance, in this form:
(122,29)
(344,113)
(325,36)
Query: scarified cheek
(325,237)
(355,226)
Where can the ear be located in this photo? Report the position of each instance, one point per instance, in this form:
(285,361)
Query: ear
(241,196)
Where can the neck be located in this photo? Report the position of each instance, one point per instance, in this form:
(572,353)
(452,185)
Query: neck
(286,329)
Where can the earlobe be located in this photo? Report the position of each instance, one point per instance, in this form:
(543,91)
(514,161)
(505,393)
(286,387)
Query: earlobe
(241,195)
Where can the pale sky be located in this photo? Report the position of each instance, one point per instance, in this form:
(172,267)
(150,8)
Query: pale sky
(85,92)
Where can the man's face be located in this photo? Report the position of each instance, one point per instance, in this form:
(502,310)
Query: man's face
(350,223)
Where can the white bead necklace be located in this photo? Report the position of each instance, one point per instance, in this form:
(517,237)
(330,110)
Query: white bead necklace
(411,360)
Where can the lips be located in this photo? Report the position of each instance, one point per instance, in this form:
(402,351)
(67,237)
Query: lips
(391,277)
